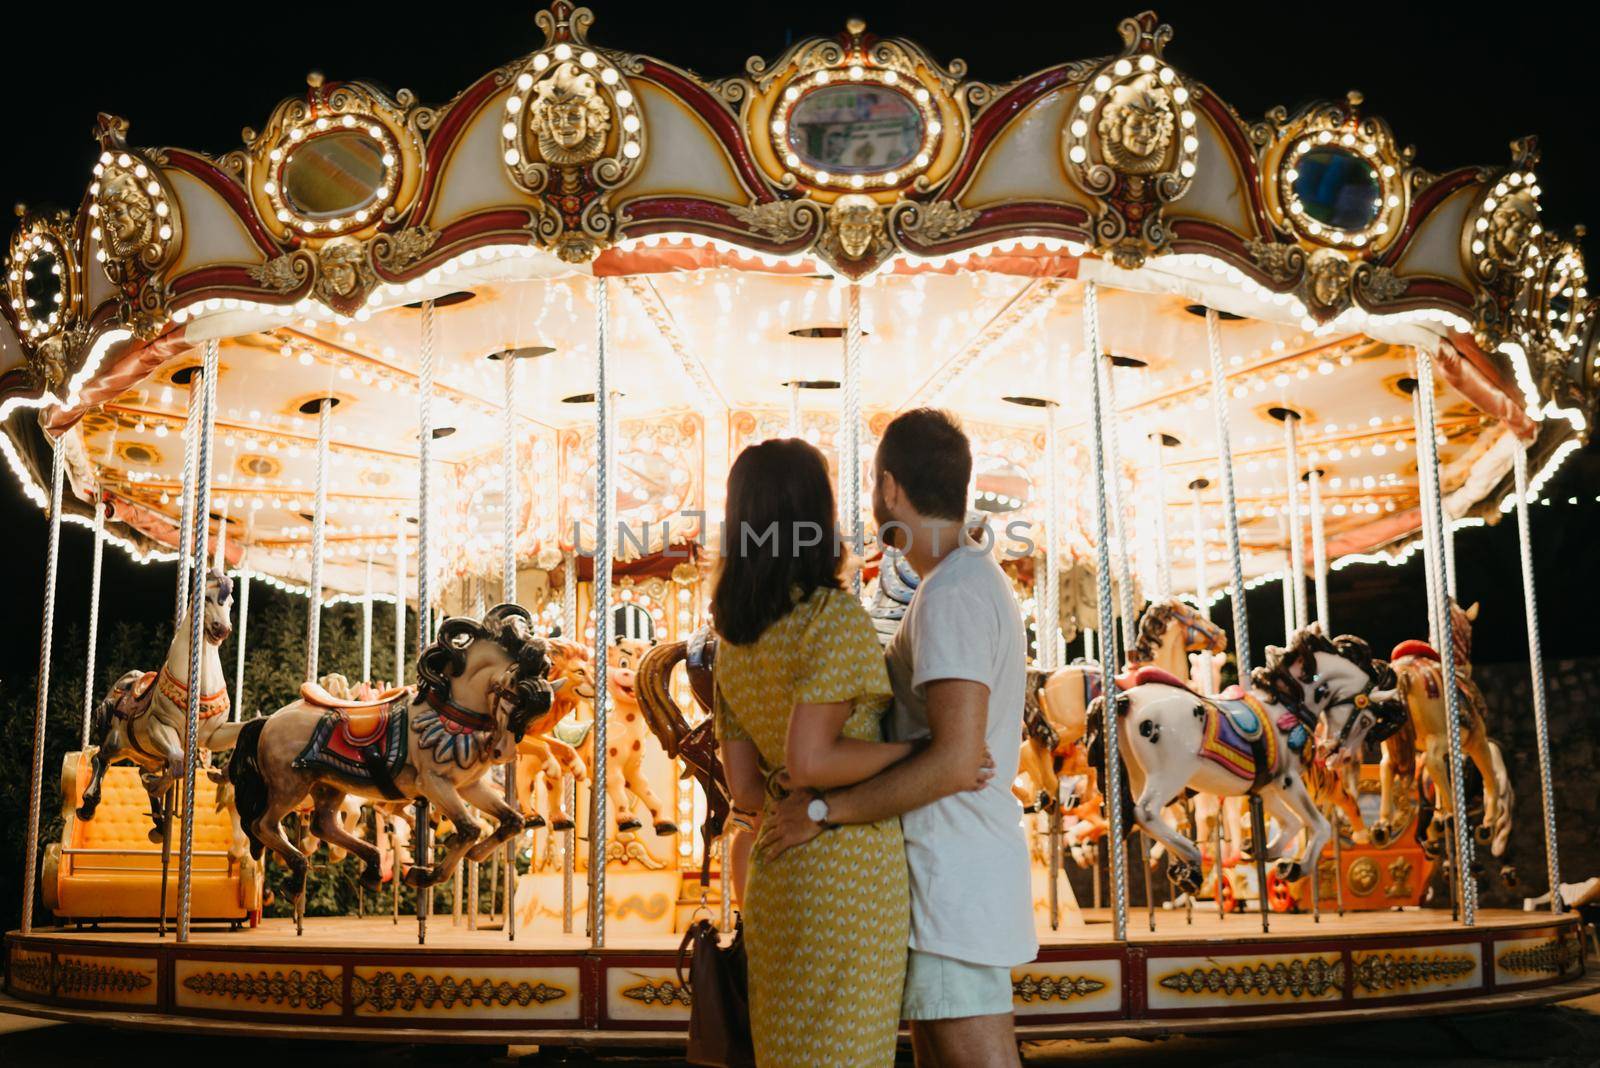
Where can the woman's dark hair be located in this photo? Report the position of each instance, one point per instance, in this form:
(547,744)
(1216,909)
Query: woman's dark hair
(780,533)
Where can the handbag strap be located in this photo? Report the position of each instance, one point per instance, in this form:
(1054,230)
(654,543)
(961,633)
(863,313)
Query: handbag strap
(697,931)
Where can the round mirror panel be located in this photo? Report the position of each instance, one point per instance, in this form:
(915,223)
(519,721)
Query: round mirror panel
(334,174)
(42,286)
(1000,486)
(1338,188)
(855,129)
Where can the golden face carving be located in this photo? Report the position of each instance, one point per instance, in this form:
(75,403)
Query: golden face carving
(1330,279)
(568,116)
(1136,125)
(342,267)
(127,219)
(1511,227)
(855,221)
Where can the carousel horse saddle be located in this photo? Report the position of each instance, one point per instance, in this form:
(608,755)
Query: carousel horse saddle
(363,744)
(1147,676)
(1237,739)
(318,696)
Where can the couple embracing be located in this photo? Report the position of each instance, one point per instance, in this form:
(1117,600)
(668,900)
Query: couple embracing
(890,873)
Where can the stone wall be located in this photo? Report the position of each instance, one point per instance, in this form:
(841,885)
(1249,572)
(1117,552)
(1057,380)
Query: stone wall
(1573,694)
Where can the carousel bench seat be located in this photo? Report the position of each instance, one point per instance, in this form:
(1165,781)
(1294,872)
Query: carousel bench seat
(107,867)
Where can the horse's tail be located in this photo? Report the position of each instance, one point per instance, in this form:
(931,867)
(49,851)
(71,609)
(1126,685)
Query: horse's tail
(652,681)
(249,785)
(1508,799)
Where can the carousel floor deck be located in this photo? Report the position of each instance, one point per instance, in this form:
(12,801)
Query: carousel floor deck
(365,978)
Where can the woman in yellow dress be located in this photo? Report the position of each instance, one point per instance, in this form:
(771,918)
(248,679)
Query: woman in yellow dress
(801,688)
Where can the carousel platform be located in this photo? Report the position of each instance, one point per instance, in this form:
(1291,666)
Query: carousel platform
(367,979)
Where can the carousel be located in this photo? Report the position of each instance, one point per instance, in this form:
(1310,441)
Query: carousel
(491,359)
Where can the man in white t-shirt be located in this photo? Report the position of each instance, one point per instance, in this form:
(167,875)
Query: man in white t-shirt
(958,667)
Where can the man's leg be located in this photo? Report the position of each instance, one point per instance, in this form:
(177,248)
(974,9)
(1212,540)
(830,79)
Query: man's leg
(966,1042)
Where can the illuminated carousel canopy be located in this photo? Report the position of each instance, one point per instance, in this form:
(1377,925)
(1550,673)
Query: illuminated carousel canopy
(729,212)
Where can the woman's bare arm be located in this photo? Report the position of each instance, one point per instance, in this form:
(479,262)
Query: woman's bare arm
(817,757)
(741,763)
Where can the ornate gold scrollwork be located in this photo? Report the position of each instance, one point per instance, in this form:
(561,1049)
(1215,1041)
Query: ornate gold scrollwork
(134,218)
(1335,177)
(43,288)
(1130,142)
(931,222)
(329,170)
(135,221)
(573,132)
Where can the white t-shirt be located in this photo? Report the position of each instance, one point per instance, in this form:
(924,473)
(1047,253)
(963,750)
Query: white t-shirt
(971,888)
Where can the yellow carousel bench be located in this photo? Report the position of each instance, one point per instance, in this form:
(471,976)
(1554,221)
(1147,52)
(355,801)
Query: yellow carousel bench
(107,867)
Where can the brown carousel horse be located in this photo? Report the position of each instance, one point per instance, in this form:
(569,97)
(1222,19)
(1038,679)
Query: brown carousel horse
(480,685)
(1419,685)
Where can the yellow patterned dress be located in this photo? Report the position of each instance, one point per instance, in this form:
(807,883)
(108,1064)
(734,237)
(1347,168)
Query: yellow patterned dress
(826,923)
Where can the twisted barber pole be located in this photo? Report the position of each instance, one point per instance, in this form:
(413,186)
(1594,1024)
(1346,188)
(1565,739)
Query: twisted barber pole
(850,443)
(186,505)
(41,701)
(319,533)
(94,613)
(509,506)
(1297,565)
(1541,718)
(1319,549)
(422,845)
(197,611)
(1428,441)
(604,491)
(1102,509)
(1230,503)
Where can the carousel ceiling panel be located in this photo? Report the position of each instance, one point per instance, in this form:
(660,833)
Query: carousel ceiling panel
(213,232)
(1024,161)
(472,177)
(1435,250)
(685,157)
(1218,192)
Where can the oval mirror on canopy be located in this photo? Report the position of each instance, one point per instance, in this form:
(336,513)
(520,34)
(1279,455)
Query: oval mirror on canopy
(1338,188)
(334,174)
(42,285)
(1000,486)
(855,129)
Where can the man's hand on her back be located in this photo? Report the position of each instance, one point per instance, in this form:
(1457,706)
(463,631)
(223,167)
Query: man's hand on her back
(787,826)
(985,773)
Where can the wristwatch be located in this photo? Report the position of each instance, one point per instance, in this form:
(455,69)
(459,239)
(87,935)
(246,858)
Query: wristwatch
(817,812)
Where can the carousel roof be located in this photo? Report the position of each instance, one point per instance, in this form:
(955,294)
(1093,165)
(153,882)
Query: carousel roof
(729,217)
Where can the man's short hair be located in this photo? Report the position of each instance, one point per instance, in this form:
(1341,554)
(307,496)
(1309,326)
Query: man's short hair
(930,457)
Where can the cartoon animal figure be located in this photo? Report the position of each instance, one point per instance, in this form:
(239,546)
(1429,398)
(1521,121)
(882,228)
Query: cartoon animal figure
(542,757)
(626,731)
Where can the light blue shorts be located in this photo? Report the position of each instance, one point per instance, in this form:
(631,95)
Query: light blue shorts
(943,988)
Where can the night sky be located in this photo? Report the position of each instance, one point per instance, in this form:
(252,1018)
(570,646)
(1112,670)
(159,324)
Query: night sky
(1457,85)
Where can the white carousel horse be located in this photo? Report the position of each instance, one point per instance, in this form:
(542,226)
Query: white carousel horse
(1056,703)
(1419,690)
(143,719)
(480,686)
(1247,741)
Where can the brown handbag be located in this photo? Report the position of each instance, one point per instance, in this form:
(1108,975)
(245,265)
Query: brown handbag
(719,1014)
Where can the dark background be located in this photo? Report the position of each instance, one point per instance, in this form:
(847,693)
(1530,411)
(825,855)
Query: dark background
(1459,86)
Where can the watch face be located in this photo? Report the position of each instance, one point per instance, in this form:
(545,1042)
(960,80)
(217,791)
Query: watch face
(817,810)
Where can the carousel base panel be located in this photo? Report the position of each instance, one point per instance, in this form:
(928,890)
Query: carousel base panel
(368,979)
